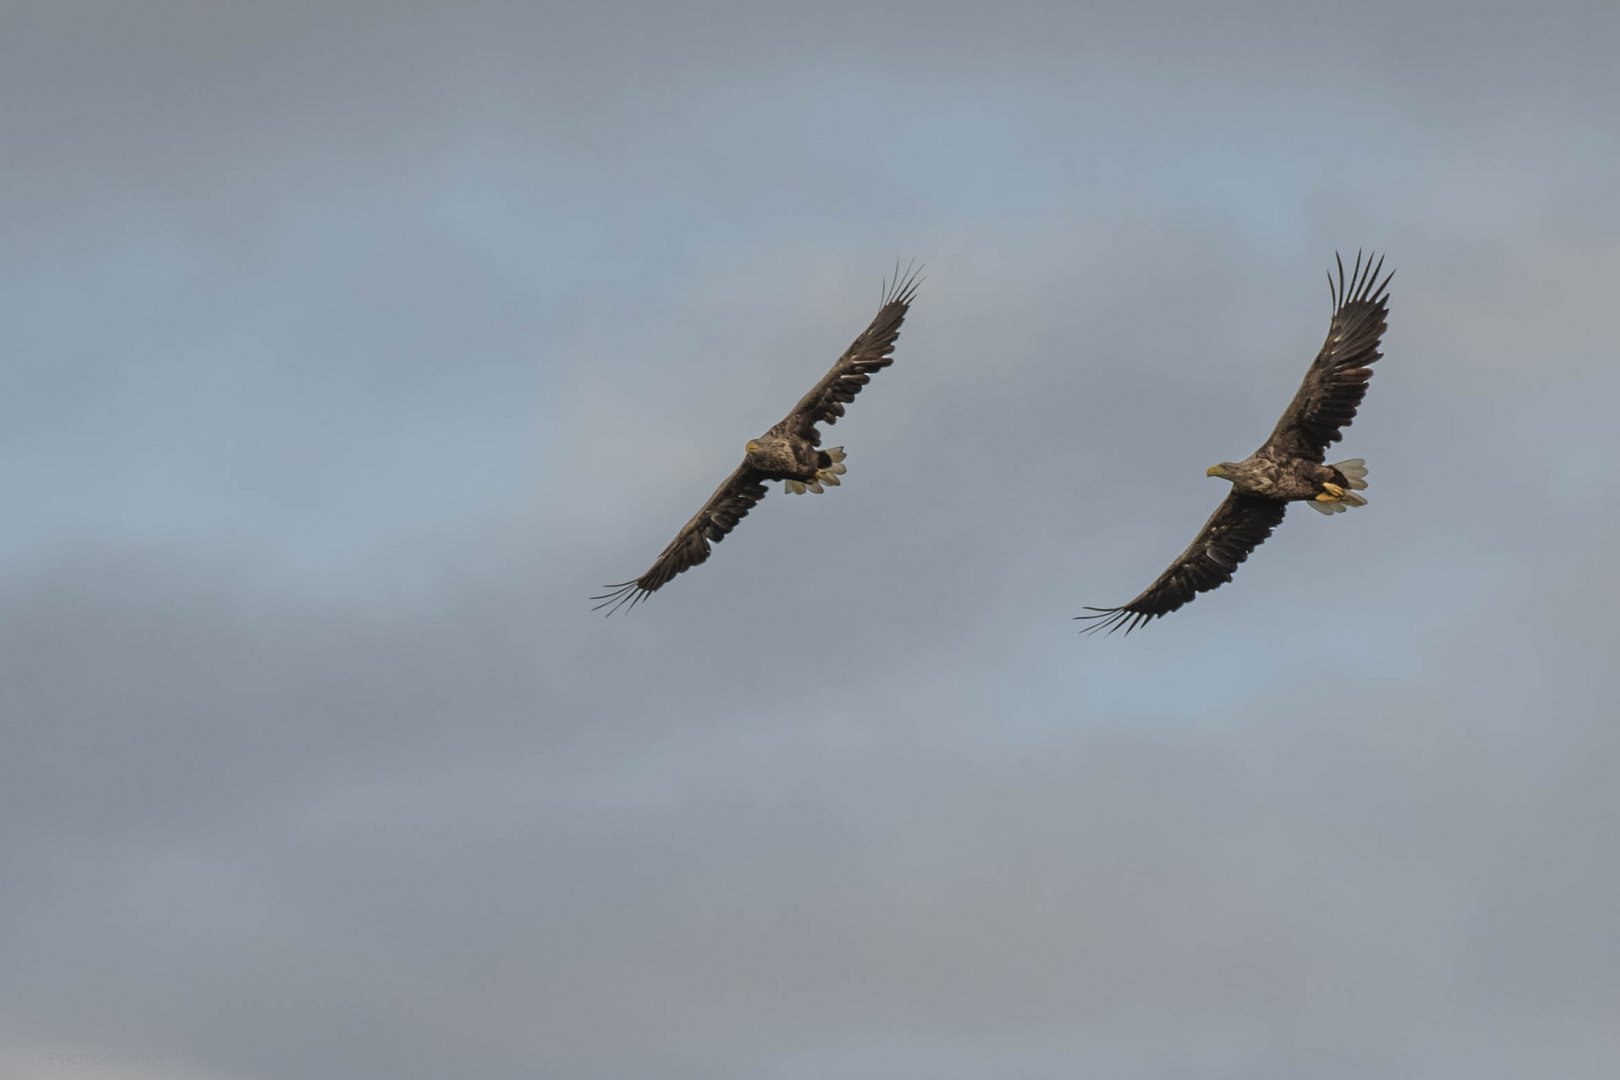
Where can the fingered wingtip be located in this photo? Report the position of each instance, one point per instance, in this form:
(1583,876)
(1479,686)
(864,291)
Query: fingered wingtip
(1112,619)
(1363,283)
(902,287)
(617,596)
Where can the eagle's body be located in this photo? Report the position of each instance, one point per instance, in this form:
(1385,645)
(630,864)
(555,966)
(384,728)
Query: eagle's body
(790,451)
(783,454)
(1287,479)
(1290,466)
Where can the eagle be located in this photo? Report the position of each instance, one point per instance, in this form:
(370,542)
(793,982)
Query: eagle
(1289,466)
(790,451)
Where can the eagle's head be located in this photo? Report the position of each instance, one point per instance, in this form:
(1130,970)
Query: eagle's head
(1226,470)
(769,453)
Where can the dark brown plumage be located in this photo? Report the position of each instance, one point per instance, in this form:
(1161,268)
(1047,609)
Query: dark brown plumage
(790,451)
(1289,466)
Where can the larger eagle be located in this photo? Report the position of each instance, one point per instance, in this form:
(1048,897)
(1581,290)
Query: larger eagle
(790,451)
(1289,466)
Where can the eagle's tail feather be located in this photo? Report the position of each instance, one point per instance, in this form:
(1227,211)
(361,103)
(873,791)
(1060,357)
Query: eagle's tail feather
(1354,472)
(827,475)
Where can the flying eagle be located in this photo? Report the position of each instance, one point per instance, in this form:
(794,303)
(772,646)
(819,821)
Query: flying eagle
(790,452)
(1289,467)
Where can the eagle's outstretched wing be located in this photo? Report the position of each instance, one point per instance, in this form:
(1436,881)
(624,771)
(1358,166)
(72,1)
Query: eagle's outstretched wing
(728,505)
(1237,527)
(825,402)
(1337,379)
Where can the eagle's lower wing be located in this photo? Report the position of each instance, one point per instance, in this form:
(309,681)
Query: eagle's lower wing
(824,404)
(1237,527)
(728,505)
(1337,379)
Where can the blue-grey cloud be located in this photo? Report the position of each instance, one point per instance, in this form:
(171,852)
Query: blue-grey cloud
(348,350)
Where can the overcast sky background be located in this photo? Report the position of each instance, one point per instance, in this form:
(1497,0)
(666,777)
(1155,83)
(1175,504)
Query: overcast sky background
(347,348)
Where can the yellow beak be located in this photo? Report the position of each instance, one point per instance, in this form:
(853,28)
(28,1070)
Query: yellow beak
(752,446)
(1214,470)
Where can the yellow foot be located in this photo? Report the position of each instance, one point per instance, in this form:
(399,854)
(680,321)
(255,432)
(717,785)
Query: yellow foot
(1328,497)
(1332,489)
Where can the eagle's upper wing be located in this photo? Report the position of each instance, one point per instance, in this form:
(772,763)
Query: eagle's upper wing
(1237,527)
(1337,379)
(728,505)
(869,352)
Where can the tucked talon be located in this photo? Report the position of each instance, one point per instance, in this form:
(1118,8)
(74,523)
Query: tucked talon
(1332,489)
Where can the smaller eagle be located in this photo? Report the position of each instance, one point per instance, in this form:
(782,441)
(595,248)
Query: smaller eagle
(790,452)
(1289,467)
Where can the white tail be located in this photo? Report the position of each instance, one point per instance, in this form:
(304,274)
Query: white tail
(1355,471)
(828,476)
(1355,476)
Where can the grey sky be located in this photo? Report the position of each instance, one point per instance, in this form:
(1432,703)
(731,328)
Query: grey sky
(348,348)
